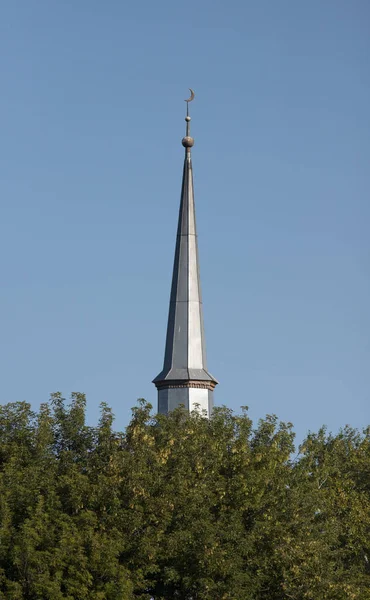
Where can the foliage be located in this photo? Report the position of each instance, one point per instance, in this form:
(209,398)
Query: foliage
(179,507)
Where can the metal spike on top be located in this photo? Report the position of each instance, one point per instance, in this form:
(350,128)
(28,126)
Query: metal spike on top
(188,141)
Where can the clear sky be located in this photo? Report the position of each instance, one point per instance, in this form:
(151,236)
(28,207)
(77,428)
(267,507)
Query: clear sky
(92,116)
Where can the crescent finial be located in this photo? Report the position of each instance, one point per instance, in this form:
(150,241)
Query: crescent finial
(188,141)
(192,96)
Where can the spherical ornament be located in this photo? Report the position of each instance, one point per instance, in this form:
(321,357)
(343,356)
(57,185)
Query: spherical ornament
(187,118)
(187,141)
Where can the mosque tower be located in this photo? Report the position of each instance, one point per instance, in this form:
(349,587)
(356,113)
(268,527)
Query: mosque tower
(184,379)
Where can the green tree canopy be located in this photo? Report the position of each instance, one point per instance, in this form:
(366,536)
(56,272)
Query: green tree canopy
(179,506)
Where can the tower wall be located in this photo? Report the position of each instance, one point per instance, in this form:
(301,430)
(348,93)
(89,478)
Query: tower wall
(191,398)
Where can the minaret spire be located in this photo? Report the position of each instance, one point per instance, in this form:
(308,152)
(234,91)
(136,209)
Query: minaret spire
(184,379)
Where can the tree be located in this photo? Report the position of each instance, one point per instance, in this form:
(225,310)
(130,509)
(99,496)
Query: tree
(179,506)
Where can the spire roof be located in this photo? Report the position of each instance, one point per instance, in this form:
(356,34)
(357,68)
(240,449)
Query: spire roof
(185,352)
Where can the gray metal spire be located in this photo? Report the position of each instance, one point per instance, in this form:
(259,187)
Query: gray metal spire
(185,379)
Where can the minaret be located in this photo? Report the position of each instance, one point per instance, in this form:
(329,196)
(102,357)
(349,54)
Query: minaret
(184,379)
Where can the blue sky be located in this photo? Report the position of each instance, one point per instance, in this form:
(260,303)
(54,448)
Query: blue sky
(91,111)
